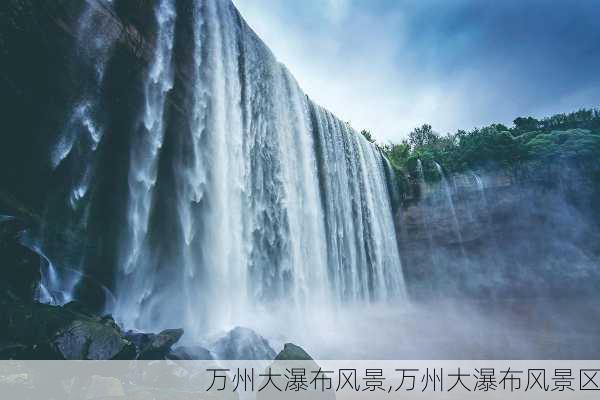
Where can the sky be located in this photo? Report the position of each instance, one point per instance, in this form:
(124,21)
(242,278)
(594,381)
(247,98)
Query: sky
(392,65)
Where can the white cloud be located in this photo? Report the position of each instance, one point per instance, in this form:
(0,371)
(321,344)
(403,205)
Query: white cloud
(355,79)
(394,68)
(337,9)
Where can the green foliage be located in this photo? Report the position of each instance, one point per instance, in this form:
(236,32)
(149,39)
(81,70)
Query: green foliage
(575,143)
(526,124)
(397,153)
(422,136)
(563,136)
(367,135)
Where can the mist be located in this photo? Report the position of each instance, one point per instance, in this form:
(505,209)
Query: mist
(499,264)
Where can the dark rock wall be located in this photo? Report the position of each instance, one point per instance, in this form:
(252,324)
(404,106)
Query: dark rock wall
(41,77)
(45,74)
(530,231)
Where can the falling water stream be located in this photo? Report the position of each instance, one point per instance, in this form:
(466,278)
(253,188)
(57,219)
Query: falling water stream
(189,182)
(447,195)
(263,203)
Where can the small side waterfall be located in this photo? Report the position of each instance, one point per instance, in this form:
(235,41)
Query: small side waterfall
(55,286)
(242,196)
(494,256)
(426,218)
(447,193)
(54,289)
(442,253)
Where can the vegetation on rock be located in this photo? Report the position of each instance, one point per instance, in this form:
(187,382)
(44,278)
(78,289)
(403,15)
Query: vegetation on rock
(574,135)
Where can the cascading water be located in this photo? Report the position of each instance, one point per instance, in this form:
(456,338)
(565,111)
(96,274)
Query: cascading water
(243,196)
(495,255)
(423,190)
(164,168)
(443,250)
(447,194)
(133,279)
(358,234)
(54,288)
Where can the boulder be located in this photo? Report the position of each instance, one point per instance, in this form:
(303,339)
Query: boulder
(190,353)
(77,307)
(91,294)
(41,331)
(89,339)
(152,346)
(292,352)
(138,339)
(242,344)
(290,358)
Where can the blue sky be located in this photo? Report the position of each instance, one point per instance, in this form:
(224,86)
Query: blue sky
(391,65)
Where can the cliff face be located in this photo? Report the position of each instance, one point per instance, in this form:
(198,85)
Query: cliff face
(530,231)
(44,72)
(171,163)
(71,69)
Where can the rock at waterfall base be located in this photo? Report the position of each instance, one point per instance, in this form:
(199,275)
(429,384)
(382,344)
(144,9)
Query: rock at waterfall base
(243,344)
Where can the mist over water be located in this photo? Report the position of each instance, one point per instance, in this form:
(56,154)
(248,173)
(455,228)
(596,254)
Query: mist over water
(502,263)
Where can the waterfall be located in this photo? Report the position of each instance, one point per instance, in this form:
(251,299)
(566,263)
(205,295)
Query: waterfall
(432,255)
(242,195)
(443,253)
(495,249)
(134,276)
(357,213)
(55,286)
(447,194)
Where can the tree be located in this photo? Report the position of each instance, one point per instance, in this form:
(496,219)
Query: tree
(526,124)
(367,135)
(421,137)
(499,127)
(397,153)
(573,135)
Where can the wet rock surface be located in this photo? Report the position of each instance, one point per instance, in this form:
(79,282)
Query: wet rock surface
(243,344)
(152,346)
(190,353)
(532,231)
(293,352)
(41,331)
(19,266)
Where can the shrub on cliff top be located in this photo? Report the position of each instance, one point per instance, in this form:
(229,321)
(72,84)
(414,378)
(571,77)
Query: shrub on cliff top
(563,136)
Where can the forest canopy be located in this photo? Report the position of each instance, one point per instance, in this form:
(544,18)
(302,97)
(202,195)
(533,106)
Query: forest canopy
(574,135)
